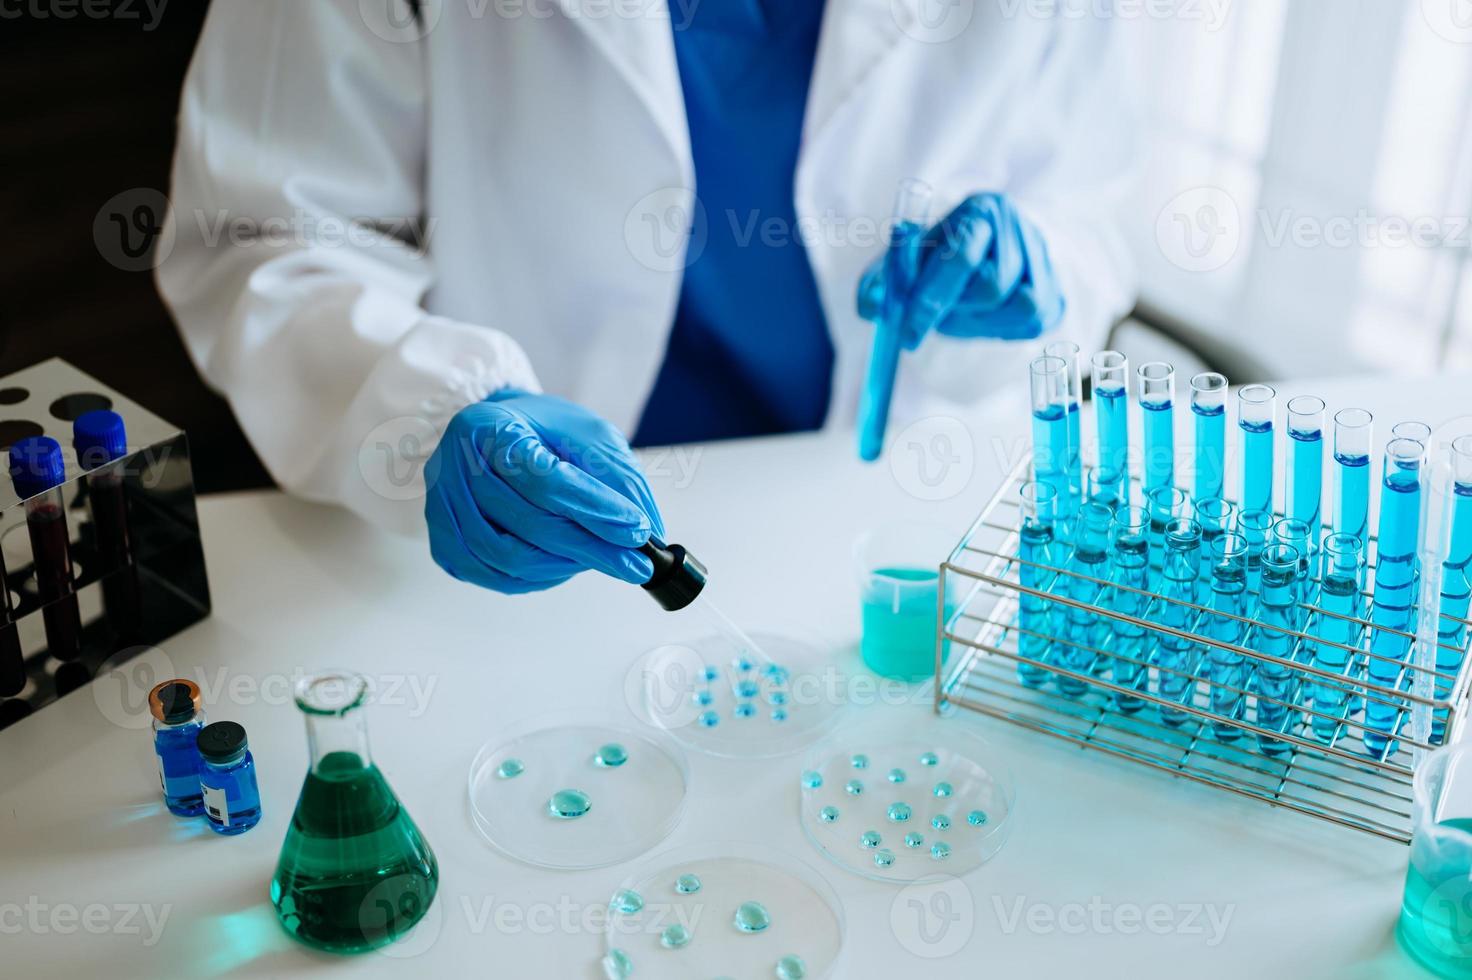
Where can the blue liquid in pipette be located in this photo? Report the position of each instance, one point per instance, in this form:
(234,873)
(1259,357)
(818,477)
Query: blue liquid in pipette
(1160,444)
(1050,451)
(1306,502)
(1211,450)
(1257,466)
(901,263)
(1112,406)
(1035,615)
(1352,495)
(1394,599)
(1339,594)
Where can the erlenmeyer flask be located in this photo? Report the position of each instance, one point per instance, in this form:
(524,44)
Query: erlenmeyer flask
(355,873)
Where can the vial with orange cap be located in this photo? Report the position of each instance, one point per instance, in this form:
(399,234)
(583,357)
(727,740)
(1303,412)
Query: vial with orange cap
(177,720)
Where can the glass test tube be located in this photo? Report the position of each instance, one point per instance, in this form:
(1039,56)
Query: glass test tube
(1392,611)
(1305,478)
(1216,516)
(1050,442)
(1456,579)
(1129,577)
(1256,527)
(1111,408)
(1341,602)
(1256,406)
(1209,409)
(12,658)
(101,439)
(1157,402)
(1166,504)
(1087,568)
(38,470)
(1103,486)
(1177,660)
(1414,431)
(1038,550)
(1069,353)
(1277,614)
(1226,670)
(1354,434)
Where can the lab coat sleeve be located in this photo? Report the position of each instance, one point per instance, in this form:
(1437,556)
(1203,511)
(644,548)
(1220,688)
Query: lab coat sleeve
(1070,158)
(301,251)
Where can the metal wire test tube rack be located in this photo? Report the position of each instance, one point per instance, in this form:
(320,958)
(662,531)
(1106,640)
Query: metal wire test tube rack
(1338,780)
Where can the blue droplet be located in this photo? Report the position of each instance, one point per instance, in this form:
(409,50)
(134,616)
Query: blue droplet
(828,814)
(703,698)
(744,710)
(940,822)
(710,719)
(929,759)
(777,697)
(860,761)
(742,664)
(943,790)
(853,787)
(569,804)
(510,769)
(674,937)
(779,714)
(611,756)
(751,917)
(775,673)
(914,839)
(811,779)
(710,673)
(617,965)
(687,884)
(791,968)
(748,689)
(870,839)
(976,818)
(899,812)
(940,850)
(883,857)
(896,775)
(627,901)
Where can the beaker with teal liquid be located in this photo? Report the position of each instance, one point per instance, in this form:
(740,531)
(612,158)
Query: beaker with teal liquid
(355,873)
(1436,908)
(899,589)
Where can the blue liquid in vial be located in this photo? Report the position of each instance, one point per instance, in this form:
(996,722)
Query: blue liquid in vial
(179,766)
(1035,616)
(1211,450)
(1338,594)
(1129,570)
(1257,466)
(1352,495)
(1051,452)
(1275,683)
(1160,444)
(1394,599)
(1305,503)
(1112,407)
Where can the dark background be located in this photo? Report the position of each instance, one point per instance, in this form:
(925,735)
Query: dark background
(88,112)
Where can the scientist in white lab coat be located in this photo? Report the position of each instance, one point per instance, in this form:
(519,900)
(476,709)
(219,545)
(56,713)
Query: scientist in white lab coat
(657,212)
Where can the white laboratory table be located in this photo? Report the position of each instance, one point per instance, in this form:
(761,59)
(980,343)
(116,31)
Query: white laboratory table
(1111,870)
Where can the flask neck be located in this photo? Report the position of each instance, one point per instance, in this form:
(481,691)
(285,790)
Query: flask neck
(339,736)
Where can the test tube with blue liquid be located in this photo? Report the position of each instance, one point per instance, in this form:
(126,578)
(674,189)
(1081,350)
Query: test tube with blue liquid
(1068,352)
(1226,622)
(1087,569)
(1111,410)
(1277,619)
(1256,527)
(1038,550)
(1305,490)
(1456,586)
(1216,516)
(1395,588)
(1166,504)
(1177,660)
(1341,608)
(1209,410)
(1256,406)
(1051,448)
(1157,404)
(1414,431)
(901,266)
(1129,580)
(1354,434)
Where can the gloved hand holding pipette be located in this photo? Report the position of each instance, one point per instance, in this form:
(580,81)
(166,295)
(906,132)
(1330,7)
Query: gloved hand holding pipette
(525,491)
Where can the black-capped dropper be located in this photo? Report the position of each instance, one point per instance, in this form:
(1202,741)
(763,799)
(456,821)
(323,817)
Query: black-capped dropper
(678,575)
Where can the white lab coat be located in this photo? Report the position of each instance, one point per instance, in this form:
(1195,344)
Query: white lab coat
(539,146)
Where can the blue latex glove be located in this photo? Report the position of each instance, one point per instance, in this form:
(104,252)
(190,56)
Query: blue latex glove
(525,491)
(984,272)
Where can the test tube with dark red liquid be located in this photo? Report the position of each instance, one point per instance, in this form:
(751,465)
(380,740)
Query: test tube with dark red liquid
(37,470)
(101,438)
(12,660)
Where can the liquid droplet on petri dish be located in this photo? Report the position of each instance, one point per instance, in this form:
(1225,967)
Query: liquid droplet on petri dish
(940,850)
(828,814)
(779,714)
(744,710)
(896,775)
(687,884)
(811,779)
(976,818)
(510,769)
(569,804)
(777,697)
(929,759)
(751,917)
(775,673)
(859,761)
(791,968)
(914,839)
(899,812)
(943,790)
(883,857)
(710,719)
(627,901)
(611,756)
(748,689)
(704,698)
(853,787)
(940,822)
(742,664)
(674,937)
(710,673)
(617,965)
(870,839)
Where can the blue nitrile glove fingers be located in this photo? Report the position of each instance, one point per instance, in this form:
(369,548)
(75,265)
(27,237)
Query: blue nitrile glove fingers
(511,503)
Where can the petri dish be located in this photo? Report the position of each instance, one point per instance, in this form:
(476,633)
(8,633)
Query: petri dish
(798,911)
(574,789)
(906,810)
(712,696)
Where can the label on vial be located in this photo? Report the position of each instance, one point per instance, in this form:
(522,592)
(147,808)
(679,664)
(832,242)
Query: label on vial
(215,805)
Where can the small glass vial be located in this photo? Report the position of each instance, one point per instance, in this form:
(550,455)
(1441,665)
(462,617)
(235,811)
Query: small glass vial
(177,720)
(227,775)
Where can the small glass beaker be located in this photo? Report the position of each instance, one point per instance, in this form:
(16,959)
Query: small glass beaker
(1436,908)
(899,580)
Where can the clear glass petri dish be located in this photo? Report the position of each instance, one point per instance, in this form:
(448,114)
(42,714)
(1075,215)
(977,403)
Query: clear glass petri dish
(575,789)
(802,912)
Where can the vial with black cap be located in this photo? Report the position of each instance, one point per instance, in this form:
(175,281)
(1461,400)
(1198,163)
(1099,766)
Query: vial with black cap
(101,440)
(177,721)
(227,775)
(37,471)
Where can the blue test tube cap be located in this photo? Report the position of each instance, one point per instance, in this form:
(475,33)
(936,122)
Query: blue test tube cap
(36,465)
(99,437)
